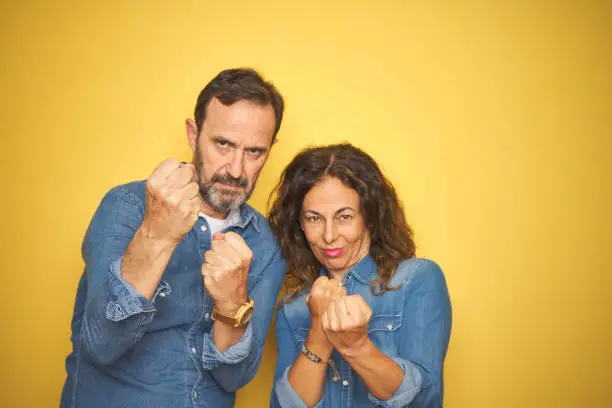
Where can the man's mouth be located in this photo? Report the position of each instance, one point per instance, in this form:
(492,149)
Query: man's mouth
(229,186)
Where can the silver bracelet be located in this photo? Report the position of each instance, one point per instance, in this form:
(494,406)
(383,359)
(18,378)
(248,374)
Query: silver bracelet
(316,359)
(310,355)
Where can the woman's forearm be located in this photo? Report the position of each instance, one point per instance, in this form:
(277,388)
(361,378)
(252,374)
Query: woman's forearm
(381,375)
(307,377)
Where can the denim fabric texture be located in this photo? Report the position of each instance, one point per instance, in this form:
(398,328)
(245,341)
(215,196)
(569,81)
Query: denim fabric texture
(132,352)
(410,325)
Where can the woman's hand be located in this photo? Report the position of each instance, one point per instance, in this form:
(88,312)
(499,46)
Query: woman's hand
(345,324)
(323,291)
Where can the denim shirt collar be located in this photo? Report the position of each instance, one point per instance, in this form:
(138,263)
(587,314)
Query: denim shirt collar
(247,214)
(363,271)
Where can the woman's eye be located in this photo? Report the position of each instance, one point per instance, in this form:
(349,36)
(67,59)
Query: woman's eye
(313,218)
(346,217)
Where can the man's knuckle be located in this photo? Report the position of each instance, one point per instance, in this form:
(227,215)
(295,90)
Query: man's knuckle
(151,183)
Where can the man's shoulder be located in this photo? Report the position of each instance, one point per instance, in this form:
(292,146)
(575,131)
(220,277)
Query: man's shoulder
(134,192)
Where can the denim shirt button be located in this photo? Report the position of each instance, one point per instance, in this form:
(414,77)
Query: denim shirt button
(389,326)
(195,395)
(206,315)
(345,383)
(193,350)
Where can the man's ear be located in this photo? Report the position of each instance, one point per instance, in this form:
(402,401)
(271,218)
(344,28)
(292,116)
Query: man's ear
(192,133)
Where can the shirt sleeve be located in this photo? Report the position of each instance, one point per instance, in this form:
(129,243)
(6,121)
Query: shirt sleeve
(125,301)
(212,357)
(424,337)
(115,315)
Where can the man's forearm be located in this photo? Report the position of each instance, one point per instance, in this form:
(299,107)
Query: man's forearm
(144,262)
(224,336)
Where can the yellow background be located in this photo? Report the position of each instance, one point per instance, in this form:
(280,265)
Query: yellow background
(492,120)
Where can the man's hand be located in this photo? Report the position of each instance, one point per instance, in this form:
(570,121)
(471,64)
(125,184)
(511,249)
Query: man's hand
(345,324)
(173,201)
(225,271)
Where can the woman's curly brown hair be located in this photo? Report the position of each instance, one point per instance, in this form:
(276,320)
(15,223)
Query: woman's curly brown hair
(390,234)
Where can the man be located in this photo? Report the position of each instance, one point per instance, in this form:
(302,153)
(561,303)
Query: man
(181,275)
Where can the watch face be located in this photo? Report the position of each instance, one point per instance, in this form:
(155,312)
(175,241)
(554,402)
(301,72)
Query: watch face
(247,315)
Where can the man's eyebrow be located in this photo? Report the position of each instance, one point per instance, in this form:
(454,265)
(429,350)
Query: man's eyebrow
(233,145)
(257,149)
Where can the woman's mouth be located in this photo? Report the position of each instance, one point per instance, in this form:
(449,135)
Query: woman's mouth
(332,252)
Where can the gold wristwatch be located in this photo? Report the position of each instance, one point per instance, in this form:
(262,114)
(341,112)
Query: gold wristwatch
(239,317)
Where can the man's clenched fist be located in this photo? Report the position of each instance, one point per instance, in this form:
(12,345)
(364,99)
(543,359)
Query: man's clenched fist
(225,271)
(173,201)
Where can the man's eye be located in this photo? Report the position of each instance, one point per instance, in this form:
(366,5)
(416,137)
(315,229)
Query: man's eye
(222,143)
(254,152)
(346,217)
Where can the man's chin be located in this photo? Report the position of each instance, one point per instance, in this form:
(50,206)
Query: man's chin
(224,205)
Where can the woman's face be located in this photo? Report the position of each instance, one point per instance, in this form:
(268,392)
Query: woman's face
(334,227)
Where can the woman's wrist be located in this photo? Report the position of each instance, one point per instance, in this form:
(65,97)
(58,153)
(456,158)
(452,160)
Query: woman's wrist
(317,343)
(358,350)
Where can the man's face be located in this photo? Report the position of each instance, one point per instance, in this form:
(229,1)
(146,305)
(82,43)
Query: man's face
(230,151)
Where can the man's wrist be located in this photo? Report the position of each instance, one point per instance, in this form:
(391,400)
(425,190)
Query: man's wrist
(229,308)
(158,243)
(235,317)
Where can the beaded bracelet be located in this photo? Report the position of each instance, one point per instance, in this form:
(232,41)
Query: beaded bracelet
(316,359)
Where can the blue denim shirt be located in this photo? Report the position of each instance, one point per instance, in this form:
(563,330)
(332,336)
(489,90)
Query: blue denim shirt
(410,325)
(131,352)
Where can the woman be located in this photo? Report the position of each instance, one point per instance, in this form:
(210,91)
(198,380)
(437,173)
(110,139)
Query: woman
(367,324)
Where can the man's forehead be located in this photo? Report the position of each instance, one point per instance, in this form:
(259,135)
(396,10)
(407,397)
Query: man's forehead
(243,123)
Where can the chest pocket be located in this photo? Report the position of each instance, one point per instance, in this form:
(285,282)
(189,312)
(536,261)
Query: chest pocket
(383,330)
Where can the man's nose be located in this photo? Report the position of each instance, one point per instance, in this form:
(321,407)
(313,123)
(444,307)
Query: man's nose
(235,167)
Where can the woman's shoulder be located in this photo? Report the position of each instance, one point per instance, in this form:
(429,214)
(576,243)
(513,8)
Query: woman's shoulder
(416,270)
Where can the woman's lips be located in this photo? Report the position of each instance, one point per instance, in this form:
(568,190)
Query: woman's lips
(332,252)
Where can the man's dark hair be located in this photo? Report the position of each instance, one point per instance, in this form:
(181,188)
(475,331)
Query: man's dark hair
(236,84)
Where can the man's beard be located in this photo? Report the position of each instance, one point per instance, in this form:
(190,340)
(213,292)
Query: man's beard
(213,195)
